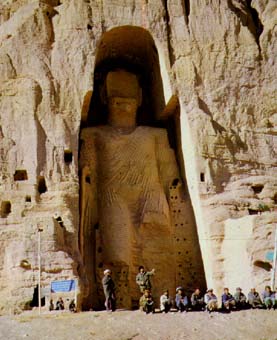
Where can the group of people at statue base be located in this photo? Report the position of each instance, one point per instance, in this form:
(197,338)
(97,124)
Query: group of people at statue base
(197,301)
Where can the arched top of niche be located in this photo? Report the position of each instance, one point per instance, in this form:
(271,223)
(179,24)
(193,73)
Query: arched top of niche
(131,48)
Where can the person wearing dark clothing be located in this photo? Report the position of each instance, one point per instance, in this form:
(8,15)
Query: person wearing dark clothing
(254,299)
(146,302)
(143,279)
(197,300)
(51,305)
(60,304)
(228,301)
(109,290)
(181,300)
(72,306)
(269,298)
(240,299)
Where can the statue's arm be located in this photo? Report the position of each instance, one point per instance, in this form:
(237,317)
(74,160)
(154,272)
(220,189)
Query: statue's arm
(168,168)
(88,183)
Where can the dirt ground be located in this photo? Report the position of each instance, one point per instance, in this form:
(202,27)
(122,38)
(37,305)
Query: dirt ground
(135,325)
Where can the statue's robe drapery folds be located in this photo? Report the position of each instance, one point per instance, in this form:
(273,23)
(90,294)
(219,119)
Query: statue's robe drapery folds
(124,189)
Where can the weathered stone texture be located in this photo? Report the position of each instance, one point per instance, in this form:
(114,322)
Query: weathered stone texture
(218,57)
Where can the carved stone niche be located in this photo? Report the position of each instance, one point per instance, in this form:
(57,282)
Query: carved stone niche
(134,205)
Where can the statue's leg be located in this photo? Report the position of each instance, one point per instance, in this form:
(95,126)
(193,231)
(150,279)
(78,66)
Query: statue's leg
(158,252)
(113,246)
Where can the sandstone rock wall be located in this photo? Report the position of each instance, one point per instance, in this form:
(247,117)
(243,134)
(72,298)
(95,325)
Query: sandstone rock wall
(216,56)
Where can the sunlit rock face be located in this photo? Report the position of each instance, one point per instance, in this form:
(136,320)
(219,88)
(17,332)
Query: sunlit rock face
(211,85)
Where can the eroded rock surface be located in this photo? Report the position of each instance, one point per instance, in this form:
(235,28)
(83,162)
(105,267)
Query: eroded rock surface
(217,57)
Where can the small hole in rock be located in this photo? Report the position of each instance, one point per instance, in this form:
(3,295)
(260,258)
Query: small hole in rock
(264,265)
(28,198)
(42,188)
(175,181)
(202,177)
(5,209)
(68,156)
(88,179)
(89,27)
(253,212)
(20,175)
(25,264)
(257,188)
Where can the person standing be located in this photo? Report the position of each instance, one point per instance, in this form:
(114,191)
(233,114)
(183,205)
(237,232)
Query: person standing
(143,279)
(109,290)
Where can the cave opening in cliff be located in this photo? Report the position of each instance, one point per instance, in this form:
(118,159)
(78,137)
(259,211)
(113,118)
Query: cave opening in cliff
(6,209)
(42,188)
(68,156)
(20,175)
(133,50)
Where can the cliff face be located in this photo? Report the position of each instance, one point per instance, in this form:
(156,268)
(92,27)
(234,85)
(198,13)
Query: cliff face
(216,56)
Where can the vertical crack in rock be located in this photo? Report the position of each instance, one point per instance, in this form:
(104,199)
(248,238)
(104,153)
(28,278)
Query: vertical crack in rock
(12,65)
(249,17)
(186,6)
(258,26)
(168,30)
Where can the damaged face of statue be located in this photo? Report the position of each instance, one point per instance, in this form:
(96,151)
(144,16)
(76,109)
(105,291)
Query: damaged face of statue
(122,111)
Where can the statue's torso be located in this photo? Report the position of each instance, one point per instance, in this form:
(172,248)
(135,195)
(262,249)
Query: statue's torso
(128,170)
(127,159)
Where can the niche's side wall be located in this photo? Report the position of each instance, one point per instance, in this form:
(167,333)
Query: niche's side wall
(223,73)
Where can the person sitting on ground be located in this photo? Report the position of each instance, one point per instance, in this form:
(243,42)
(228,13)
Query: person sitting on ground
(165,302)
(143,279)
(181,300)
(228,301)
(210,300)
(254,299)
(60,304)
(240,299)
(51,305)
(269,298)
(72,306)
(197,300)
(146,303)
